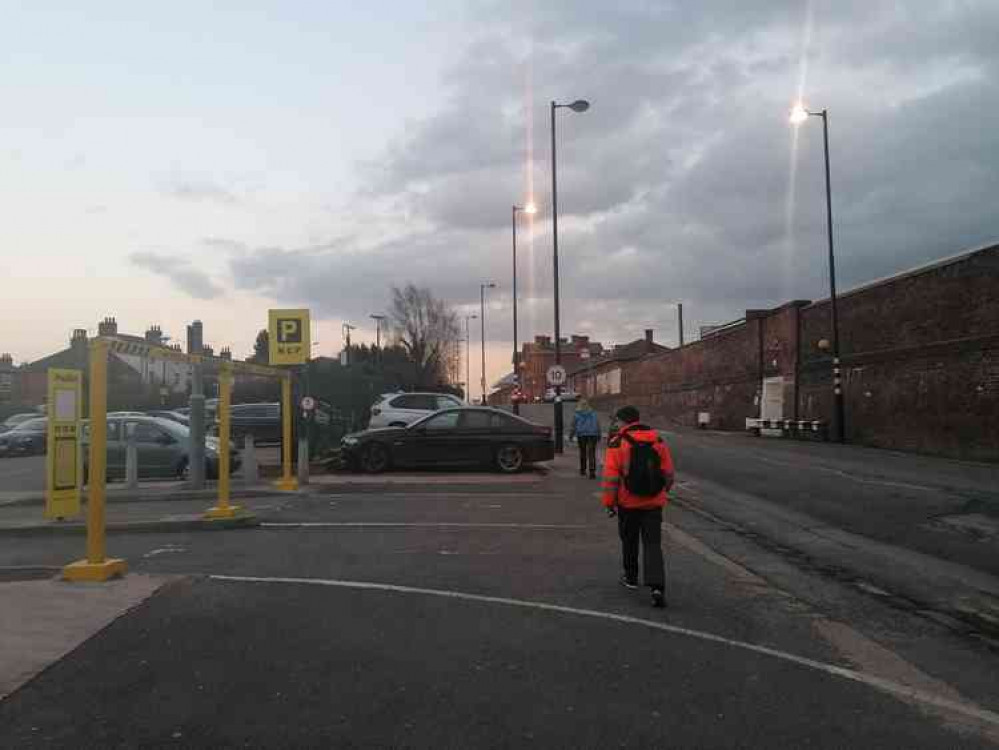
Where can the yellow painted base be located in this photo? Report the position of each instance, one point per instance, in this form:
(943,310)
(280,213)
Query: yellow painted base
(287,485)
(83,570)
(230,511)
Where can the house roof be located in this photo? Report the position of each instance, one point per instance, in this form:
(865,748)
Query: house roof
(621,353)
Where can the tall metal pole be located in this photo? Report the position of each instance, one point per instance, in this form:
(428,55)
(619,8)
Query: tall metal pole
(516,354)
(679,316)
(482,321)
(838,410)
(468,359)
(558,328)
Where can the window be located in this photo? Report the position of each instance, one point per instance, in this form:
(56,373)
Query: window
(485,420)
(149,433)
(409,401)
(446,421)
(447,402)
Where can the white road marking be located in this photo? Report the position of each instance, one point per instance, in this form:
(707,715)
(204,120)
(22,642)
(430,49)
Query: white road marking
(170,548)
(414,525)
(968,710)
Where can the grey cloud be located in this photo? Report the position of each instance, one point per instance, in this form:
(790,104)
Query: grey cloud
(180,273)
(676,185)
(225,244)
(200,190)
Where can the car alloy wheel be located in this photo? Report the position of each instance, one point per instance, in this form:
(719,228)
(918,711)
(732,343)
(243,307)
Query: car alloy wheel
(509,459)
(375,459)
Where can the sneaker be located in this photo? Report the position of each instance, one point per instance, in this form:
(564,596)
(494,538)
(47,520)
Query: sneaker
(658,598)
(628,584)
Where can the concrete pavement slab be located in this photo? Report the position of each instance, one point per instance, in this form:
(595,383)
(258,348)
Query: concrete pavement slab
(43,620)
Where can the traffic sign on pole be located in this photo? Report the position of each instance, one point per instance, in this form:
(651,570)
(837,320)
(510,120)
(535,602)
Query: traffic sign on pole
(556,375)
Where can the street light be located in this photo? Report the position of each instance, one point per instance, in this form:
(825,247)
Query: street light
(378,330)
(580,105)
(799,115)
(482,322)
(468,358)
(529,209)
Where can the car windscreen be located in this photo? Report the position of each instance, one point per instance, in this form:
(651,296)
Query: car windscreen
(32,425)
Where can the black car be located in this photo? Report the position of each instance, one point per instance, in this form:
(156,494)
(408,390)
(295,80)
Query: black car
(26,439)
(15,419)
(263,421)
(470,436)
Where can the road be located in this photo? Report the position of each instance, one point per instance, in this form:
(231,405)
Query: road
(22,474)
(489,616)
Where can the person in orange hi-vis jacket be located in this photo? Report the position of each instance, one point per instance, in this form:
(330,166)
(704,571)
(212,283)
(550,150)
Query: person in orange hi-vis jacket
(638,472)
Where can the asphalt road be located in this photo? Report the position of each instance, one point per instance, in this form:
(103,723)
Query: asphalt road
(22,474)
(486,617)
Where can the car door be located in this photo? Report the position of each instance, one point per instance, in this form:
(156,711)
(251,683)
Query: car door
(478,436)
(434,441)
(157,449)
(115,449)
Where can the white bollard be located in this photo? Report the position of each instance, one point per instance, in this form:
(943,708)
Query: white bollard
(131,459)
(251,473)
(303,461)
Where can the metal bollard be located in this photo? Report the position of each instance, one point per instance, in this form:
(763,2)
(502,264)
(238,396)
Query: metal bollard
(131,459)
(250,471)
(303,461)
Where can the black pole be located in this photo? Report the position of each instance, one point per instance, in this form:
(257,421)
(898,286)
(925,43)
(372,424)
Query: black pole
(679,315)
(516,368)
(558,330)
(468,361)
(482,322)
(839,429)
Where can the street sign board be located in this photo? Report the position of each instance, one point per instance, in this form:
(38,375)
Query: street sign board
(63,473)
(289,337)
(556,375)
(308,403)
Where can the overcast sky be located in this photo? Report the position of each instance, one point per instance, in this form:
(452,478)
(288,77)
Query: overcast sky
(162,162)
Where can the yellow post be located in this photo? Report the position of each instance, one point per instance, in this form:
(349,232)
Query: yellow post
(287,481)
(96,567)
(223,509)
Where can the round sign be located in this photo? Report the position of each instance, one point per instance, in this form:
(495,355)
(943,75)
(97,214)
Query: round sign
(556,375)
(308,403)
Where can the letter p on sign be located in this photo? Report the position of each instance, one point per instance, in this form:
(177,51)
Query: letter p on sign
(289,339)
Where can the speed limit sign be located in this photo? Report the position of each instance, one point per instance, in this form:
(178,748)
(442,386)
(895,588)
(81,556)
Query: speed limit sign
(556,375)
(308,403)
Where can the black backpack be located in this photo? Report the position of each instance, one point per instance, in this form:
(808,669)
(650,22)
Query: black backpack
(645,469)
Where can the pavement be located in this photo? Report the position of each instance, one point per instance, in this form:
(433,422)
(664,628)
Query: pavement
(477,612)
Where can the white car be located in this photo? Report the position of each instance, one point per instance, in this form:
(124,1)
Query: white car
(401,409)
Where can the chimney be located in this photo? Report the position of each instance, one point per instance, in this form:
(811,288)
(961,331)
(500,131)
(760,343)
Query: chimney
(226,353)
(154,335)
(207,350)
(107,327)
(542,340)
(79,339)
(580,341)
(195,337)
(6,362)
(649,346)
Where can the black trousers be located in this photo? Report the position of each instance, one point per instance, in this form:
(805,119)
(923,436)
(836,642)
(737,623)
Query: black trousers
(646,525)
(587,453)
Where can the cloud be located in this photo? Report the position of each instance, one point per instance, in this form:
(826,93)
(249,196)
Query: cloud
(180,273)
(684,181)
(200,191)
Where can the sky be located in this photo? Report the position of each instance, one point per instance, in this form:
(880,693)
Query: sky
(164,162)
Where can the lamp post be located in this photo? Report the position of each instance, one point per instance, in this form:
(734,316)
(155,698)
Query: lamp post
(580,105)
(378,330)
(468,358)
(482,323)
(529,209)
(799,115)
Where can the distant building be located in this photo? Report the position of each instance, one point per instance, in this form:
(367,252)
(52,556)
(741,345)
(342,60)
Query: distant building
(8,374)
(601,376)
(539,355)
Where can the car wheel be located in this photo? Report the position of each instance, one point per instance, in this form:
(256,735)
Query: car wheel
(375,459)
(184,470)
(509,459)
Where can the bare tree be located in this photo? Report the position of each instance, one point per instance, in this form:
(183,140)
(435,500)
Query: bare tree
(425,327)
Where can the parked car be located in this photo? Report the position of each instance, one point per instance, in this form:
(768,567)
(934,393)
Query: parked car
(567,396)
(15,419)
(465,436)
(26,439)
(173,416)
(163,448)
(263,421)
(401,409)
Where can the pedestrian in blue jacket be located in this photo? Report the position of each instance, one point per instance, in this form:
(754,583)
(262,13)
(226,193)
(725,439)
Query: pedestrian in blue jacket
(586,429)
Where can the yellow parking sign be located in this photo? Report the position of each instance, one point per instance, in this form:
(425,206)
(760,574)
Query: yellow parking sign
(289,337)
(63,473)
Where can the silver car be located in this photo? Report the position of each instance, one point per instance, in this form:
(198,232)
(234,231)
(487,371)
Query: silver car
(401,409)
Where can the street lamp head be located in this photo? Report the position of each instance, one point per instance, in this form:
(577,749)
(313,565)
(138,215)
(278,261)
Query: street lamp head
(530,208)
(798,114)
(580,105)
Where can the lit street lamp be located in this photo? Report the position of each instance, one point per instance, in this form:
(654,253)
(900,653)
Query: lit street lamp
(482,322)
(580,105)
(798,116)
(468,358)
(529,209)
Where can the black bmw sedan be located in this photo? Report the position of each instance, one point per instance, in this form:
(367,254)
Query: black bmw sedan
(469,436)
